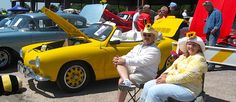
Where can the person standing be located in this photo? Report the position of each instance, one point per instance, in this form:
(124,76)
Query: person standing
(135,19)
(162,13)
(212,27)
(144,18)
(139,65)
(174,10)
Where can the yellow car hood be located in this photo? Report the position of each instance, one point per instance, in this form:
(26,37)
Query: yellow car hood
(168,26)
(70,29)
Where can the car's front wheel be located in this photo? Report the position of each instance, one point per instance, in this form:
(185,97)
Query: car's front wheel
(73,76)
(169,61)
(5,58)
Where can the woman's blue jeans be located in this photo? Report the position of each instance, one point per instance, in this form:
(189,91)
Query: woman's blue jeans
(153,92)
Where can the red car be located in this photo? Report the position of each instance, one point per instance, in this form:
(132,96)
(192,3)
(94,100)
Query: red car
(230,39)
(123,20)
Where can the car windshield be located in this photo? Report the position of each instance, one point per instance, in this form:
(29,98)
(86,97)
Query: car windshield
(98,31)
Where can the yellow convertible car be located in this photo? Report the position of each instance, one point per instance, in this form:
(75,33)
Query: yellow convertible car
(85,56)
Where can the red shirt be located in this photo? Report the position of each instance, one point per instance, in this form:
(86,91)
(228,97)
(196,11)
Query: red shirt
(143,19)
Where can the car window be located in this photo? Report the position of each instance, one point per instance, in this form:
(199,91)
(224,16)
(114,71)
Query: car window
(47,25)
(123,16)
(5,22)
(20,22)
(76,22)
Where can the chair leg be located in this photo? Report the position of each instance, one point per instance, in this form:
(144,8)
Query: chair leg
(133,96)
(200,98)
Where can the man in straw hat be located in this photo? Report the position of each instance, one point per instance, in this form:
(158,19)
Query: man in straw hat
(139,65)
(212,27)
(182,81)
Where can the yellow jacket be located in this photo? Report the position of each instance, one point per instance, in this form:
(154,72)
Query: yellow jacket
(187,71)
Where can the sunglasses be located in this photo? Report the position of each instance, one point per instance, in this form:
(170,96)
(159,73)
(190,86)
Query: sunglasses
(147,35)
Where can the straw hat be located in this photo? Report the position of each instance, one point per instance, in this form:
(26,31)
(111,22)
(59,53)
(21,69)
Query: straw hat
(149,29)
(190,37)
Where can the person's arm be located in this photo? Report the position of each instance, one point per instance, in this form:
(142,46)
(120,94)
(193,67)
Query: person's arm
(149,19)
(194,69)
(218,20)
(135,20)
(136,24)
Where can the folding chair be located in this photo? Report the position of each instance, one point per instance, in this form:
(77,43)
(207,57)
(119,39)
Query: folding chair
(133,93)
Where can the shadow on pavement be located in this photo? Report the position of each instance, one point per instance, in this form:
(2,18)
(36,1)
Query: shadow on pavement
(50,89)
(10,69)
(214,99)
(224,67)
(13,93)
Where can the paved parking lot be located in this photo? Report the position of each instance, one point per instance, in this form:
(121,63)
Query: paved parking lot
(220,86)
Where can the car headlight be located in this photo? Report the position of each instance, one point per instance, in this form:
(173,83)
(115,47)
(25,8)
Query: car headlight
(37,62)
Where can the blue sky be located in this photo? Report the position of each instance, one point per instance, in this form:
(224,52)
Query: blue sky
(6,4)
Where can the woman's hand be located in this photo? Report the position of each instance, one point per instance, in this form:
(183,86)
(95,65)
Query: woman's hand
(161,79)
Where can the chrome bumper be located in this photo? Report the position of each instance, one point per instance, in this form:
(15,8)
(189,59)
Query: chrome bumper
(28,72)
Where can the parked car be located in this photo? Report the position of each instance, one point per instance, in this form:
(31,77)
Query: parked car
(31,28)
(123,19)
(74,62)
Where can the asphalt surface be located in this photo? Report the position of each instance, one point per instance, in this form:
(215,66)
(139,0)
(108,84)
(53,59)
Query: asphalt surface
(220,86)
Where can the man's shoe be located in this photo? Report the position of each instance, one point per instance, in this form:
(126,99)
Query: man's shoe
(126,85)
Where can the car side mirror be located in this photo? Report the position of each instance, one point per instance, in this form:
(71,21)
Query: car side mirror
(115,42)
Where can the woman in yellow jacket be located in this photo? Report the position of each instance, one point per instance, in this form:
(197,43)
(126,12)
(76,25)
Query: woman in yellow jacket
(183,80)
